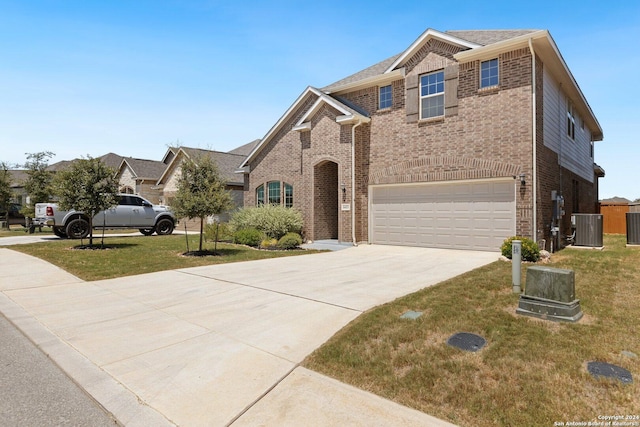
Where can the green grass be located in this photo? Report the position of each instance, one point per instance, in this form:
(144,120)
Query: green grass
(531,373)
(125,256)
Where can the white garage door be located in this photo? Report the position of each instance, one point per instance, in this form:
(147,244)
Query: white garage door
(476,215)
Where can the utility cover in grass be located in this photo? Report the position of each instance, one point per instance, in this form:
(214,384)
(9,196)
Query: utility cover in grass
(411,315)
(466,341)
(607,370)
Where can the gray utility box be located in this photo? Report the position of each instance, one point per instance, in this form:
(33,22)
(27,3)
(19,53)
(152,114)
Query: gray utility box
(550,294)
(588,229)
(633,228)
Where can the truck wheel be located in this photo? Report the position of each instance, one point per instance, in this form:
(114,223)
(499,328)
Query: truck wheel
(77,228)
(147,231)
(164,227)
(59,231)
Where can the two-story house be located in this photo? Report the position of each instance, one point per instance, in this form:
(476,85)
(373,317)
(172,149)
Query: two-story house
(463,139)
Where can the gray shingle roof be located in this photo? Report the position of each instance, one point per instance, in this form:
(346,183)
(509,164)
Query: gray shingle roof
(245,150)
(227,163)
(111,160)
(372,71)
(486,37)
(481,37)
(18,177)
(147,169)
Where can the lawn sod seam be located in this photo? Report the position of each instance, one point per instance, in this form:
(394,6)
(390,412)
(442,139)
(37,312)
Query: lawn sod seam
(531,371)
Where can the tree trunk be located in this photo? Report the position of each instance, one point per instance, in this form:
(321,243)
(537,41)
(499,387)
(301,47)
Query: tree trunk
(201,230)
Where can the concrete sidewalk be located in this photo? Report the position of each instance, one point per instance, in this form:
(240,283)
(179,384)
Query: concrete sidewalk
(221,345)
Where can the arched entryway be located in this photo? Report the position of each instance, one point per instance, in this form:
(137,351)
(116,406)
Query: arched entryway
(325,201)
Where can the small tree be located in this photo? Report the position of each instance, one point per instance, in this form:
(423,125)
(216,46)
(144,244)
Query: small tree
(5,191)
(38,184)
(89,186)
(201,191)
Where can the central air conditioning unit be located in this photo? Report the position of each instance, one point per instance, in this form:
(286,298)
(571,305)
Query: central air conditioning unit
(588,229)
(633,228)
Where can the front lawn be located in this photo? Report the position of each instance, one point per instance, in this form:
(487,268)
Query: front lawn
(126,256)
(531,373)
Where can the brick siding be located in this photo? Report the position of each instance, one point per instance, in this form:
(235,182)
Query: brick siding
(489,137)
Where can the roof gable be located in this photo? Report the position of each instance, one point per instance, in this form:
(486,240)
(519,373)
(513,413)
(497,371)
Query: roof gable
(424,39)
(227,163)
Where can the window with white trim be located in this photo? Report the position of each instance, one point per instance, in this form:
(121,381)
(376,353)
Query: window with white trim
(432,95)
(489,73)
(385,97)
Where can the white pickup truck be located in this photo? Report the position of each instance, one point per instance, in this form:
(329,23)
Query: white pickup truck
(131,212)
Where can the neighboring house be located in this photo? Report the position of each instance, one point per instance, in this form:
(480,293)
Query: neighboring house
(463,139)
(227,165)
(140,176)
(18,178)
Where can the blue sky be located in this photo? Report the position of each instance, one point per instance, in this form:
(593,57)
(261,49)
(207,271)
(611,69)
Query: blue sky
(133,77)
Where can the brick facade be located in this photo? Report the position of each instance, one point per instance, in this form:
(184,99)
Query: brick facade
(485,134)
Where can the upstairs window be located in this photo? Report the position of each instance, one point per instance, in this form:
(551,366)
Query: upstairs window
(571,121)
(385,97)
(432,95)
(489,74)
(260,195)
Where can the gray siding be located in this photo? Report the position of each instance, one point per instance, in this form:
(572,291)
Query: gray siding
(574,155)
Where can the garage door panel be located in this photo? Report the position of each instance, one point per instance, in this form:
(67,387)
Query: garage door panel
(470,215)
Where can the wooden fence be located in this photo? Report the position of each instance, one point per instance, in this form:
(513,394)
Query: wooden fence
(614,219)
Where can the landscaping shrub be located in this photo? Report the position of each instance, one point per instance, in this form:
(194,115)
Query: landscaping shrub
(268,243)
(248,236)
(273,220)
(224,232)
(530,250)
(290,241)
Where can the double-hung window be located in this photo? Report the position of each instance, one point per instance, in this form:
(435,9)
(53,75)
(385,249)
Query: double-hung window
(489,73)
(385,97)
(432,95)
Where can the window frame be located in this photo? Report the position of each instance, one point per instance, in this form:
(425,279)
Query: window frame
(260,195)
(492,64)
(571,121)
(437,94)
(276,198)
(385,94)
(288,195)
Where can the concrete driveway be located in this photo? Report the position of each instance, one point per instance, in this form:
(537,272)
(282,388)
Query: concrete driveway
(221,345)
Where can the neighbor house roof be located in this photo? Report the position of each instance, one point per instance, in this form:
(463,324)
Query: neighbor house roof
(111,160)
(18,177)
(143,168)
(615,201)
(227,162)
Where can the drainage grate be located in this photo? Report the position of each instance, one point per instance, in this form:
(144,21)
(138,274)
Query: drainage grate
(411,315)
(601,369)
(466,341)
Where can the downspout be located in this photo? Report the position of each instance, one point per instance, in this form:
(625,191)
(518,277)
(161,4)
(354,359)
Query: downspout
(534,142)
(353,182)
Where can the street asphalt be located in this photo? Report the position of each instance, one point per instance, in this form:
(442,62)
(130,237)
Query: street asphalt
(35,391)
